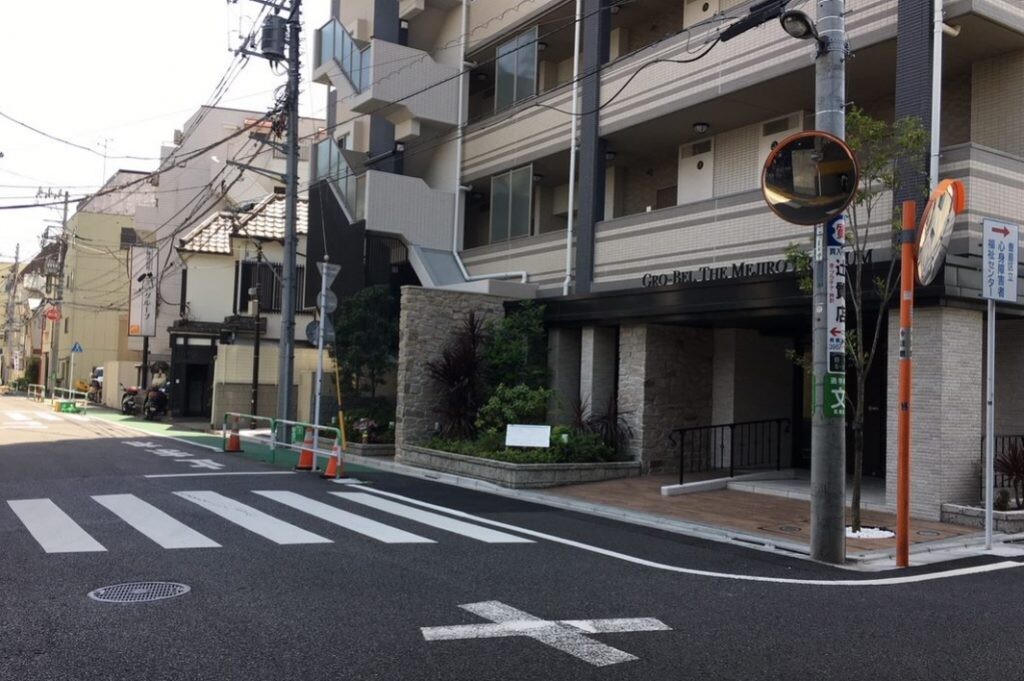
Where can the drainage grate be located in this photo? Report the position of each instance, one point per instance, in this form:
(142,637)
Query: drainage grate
(139,592)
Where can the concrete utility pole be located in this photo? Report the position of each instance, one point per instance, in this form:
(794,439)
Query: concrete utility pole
(285,408)
(62,246)
(828,432)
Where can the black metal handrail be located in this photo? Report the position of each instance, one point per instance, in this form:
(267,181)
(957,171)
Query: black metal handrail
(730,446)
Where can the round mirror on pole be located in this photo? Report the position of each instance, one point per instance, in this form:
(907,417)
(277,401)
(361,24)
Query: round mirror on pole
(810,178)
(947,201)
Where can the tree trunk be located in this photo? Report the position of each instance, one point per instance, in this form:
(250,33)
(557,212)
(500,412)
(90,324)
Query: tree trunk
(858,452)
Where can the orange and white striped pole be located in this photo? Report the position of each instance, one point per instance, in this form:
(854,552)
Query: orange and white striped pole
(908,273)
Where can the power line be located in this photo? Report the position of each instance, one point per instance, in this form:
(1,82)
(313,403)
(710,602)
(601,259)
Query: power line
(70,143)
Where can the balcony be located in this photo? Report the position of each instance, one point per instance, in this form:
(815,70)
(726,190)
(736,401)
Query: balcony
(396,72)
(337,56)
(396,205)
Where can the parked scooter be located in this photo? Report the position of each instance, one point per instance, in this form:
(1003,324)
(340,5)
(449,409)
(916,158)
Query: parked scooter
(155,405)
(129,407)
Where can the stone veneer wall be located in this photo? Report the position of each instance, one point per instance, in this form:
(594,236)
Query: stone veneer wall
(947,412)
(664,383)
(427,320)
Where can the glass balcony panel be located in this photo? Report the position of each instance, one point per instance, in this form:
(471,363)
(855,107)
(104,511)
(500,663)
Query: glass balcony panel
(337,43)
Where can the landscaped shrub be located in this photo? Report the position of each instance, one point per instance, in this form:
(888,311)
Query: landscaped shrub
(1011,464)
(609,424)
(515,349)
(513,404)
(458,375)
(566,447)
(375,418)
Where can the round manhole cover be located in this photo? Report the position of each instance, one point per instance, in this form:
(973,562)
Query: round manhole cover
(139,592)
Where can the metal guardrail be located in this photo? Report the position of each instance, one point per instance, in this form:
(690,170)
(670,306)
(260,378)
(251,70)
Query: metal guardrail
(77,397)
(36,392)
(730,446)
(276,434)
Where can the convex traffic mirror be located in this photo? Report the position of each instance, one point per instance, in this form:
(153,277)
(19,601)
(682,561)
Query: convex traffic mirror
(809,178)
(947,201)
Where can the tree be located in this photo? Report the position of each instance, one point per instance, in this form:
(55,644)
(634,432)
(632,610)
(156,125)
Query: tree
(367,337)
(879,146)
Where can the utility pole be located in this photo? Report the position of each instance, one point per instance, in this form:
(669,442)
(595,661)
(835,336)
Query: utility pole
(285,408)
(828,431)
(254,301)
(58,299)
(9,327)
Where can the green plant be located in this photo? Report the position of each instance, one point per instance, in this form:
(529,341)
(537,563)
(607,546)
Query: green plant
(609,424)
(514,350)
(367,338)
(513,404)
(1002,501)
(1010,463)
(458,374)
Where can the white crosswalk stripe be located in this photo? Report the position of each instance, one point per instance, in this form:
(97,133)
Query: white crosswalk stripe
(433,519)
(154,523)
(254,520)
(17,416)
(49,417)
(350,521)
(55,531)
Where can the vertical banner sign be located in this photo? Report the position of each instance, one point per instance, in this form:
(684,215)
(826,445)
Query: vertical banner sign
(999,268)
(835,316)
(142,287)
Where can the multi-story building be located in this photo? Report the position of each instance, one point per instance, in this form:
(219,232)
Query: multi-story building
(94,308)
(670,294)
(201,174)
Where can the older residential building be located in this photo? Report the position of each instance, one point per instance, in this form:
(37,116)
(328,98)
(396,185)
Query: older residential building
(231,285)
(670,296)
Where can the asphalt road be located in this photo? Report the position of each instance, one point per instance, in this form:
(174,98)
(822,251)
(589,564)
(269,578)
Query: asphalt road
(290,581)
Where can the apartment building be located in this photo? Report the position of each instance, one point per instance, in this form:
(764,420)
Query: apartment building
(670,295)
(202,174)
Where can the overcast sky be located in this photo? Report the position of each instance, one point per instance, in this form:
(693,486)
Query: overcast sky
(124,73)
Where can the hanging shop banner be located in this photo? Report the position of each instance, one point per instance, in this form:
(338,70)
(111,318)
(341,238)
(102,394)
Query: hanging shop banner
(835,264)
(143,291)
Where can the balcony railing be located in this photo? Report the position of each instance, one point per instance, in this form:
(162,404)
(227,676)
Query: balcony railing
(338,44)
(349,187)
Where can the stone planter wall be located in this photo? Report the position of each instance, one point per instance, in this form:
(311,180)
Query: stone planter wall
(360,449)
(515,475)
(1010,522)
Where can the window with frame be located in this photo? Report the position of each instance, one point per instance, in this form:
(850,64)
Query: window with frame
(511,202)
(516,70)
(269,285)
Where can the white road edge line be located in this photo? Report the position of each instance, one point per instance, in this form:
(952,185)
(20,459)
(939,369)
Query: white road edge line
(208,475)
(880,581)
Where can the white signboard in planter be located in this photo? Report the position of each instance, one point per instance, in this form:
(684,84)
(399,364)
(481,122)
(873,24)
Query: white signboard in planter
(527,436)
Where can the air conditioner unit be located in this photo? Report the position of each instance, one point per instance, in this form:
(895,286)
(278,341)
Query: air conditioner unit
(696,11)
(696,171)
(179,136)
(774,131)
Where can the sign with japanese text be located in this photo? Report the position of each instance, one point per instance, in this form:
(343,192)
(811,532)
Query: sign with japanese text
(999,268)
(143,291)
(835,282)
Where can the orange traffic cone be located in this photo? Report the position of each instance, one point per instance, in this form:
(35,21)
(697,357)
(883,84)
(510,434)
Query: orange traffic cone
(234,439)
(306,455)
(335,466)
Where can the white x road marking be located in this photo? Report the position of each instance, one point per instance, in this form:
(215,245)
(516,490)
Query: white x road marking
(564,635)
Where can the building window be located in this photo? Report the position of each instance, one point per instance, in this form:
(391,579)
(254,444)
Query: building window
(516,70)
(511,198)
(269,285)
(65,325)
(128,238)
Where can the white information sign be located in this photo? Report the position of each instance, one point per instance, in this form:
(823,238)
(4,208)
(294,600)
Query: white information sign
(143,291)
(999,268)
(527,436)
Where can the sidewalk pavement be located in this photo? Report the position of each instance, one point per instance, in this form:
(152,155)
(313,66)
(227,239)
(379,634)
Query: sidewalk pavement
(761,521)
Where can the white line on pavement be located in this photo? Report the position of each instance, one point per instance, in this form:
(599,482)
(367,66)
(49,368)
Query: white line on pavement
(18,416)
(48,417)
(350,521)
(249,518)
(55,531)
(880,581)
(154,523)
(210,475)
(433,519)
